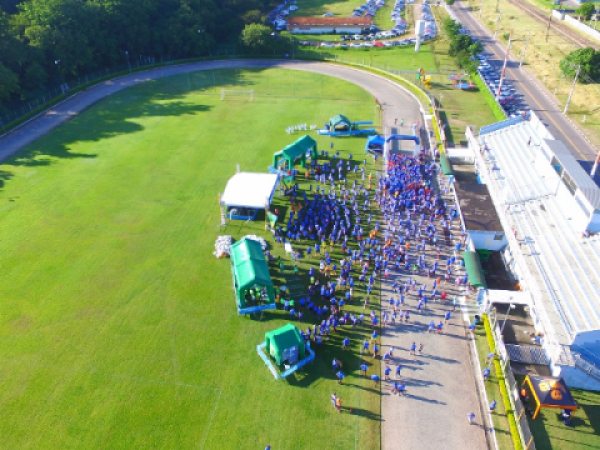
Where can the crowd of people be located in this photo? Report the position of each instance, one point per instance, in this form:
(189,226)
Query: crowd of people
(359,229)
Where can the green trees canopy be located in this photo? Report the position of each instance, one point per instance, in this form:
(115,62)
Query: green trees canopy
(586,10)
(260,40)
(86,35)
(587,58)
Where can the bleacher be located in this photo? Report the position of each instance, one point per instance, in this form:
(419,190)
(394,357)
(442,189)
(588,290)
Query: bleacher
(567,264)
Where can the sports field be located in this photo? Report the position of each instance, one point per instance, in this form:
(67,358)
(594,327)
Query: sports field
(118,327)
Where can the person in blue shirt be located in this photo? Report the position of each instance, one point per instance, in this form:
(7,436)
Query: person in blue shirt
(363,370)
(493,406)
(345,343)
(486,374)
(375,378)
(365,347)
(340,376)
(398,369)
(387,372)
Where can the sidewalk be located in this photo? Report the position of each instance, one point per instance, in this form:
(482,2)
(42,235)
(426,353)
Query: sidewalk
(440,384)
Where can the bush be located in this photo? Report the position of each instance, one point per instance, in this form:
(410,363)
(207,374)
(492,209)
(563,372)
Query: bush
(587,58)
(586,10)
(449,2)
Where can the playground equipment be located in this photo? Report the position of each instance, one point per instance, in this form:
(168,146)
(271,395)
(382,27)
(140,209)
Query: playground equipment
(426,80)
(251,278)
(341,126)
(460,76)
(287,348)
(464,85)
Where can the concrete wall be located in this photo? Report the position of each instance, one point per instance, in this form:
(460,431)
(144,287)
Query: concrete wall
(577,24)
(484,240)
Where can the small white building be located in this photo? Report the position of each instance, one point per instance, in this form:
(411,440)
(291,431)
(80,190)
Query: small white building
(328,25)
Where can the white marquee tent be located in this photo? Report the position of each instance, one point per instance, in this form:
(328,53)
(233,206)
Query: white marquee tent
(250,190)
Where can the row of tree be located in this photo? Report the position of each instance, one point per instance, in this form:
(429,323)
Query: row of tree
(43,42)
(462,47)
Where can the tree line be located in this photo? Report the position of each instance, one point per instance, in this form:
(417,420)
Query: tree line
(43,42)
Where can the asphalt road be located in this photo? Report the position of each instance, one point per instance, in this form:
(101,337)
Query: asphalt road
(441,389)
(535,96)
(396,103)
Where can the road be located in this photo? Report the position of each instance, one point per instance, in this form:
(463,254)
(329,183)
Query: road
(534,94)
(441,389)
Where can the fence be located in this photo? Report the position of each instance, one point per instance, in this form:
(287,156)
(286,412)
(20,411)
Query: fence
(513,388)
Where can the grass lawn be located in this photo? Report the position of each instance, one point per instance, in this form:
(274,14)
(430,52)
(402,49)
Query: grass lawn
(342,8)
(550,433)
(493,393)
(118,325)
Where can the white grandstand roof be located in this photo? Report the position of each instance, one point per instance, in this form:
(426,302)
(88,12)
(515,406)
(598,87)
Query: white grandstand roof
(565,267)
(586,185)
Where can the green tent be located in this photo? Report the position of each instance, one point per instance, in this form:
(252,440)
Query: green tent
(297,150)
(339,123)
(446,166)
(285,345)
(474,270)
(250,273)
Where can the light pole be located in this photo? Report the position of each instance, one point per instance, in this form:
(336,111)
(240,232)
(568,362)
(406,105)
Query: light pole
(572,88)
(128,62)
(497,22)
(549,23)
(511,306)
(524,50)
(480,9)
(504,66)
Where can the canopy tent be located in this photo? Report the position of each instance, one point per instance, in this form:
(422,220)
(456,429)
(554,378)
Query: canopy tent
(549,392)
(285,344)
(374,143)
(446,166)
(339,122)
(297,150)
(474,270)
(247,192)
(251,277)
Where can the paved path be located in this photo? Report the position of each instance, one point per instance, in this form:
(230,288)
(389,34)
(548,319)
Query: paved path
(440,383)
(535,95)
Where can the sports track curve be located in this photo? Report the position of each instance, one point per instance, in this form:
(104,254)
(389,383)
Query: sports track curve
(437,415)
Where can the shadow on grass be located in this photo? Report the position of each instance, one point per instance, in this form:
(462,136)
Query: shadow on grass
(117,114)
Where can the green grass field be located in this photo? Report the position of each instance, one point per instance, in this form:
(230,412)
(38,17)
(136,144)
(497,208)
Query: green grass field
(550,432)
(342,8)
(118,325)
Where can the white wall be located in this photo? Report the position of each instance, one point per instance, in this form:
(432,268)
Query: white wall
(484,240)
(326,30)
(577,24)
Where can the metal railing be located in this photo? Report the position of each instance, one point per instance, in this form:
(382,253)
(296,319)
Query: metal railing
(518,409)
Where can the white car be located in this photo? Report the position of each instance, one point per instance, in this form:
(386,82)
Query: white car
(343,45)
(293,8)
(357,37)
(328,15)
(356,45)
(327,44)
(368,44)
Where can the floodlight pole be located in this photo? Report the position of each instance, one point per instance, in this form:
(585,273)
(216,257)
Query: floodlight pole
(504,65)
(572,89)
(525,49)
(128,62)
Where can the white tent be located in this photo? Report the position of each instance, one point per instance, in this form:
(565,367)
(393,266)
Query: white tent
(250,190)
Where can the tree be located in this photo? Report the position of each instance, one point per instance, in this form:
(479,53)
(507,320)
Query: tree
(587,58)
(252,16)
(9,83)
(586,10)
(257,39)
(459,43)
(475,48)
(451,27)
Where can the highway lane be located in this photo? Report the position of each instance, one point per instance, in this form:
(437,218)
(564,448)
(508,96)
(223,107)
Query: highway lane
(535,96)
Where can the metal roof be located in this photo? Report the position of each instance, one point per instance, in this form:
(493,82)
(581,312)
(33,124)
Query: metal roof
(580,177)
